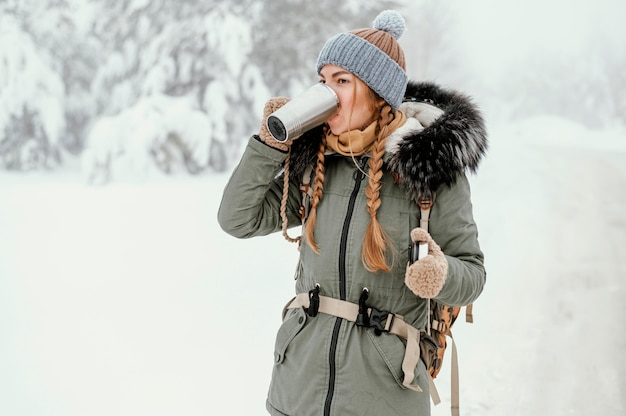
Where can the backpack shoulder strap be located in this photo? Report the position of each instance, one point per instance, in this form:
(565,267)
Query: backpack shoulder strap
(425,206)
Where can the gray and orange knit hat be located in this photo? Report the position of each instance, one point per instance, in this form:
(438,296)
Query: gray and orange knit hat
(372,54)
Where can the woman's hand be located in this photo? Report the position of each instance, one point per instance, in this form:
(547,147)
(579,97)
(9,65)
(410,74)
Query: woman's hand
(272,105)
(426,277)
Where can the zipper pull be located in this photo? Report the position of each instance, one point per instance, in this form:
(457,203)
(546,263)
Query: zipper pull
(359,173)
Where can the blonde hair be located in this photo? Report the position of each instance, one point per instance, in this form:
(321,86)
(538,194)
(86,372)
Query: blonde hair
(376,241)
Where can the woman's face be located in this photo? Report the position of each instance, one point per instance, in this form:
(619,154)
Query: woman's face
(357,108)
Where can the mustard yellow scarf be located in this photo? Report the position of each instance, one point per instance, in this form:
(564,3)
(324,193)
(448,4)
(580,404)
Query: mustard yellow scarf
(358,142)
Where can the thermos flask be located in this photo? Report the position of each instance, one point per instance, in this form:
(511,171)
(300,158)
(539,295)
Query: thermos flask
(309,109)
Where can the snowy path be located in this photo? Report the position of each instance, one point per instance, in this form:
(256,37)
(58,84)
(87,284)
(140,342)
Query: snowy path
(548,338)
(584,296)
(129,300)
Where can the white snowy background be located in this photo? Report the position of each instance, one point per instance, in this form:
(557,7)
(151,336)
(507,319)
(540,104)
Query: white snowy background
(128,299)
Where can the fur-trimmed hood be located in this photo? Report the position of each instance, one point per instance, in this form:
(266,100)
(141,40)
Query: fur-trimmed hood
(444,136)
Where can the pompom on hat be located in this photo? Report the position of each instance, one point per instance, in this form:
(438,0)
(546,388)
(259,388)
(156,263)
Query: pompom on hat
(372,54)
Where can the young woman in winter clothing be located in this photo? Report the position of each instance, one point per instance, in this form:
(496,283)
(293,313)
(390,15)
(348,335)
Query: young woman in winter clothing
(393,148)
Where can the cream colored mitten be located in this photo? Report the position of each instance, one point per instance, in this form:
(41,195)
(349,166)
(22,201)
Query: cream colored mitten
(426,276)
(272,105)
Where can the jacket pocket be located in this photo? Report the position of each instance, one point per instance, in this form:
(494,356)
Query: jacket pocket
(391,350)
(294,321)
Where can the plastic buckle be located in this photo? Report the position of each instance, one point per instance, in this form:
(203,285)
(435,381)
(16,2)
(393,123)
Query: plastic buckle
(378,320)
(314,301)
(441,327)
(362,318)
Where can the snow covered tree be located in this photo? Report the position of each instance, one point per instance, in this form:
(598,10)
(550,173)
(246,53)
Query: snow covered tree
(31,97)
(195,51)
(61,28)
(47,64)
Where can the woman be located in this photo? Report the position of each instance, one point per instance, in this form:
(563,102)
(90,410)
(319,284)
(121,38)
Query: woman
(394,152)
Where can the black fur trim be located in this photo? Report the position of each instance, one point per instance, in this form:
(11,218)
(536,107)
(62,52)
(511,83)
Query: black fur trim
(452,144)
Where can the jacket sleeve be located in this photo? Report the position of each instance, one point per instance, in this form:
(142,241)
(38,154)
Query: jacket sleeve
(251,200)
(452,226)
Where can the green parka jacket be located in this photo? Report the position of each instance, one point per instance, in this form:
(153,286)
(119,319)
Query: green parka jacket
(325,365)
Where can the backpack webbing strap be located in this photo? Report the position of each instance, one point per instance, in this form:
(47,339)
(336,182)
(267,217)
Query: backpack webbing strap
(425,206)
(454,380)
(469,316)
(434,394)
(424,218)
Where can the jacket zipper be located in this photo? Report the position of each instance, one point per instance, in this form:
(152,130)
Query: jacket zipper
(358,177)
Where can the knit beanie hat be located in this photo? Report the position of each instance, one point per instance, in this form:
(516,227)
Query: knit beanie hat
(372,54)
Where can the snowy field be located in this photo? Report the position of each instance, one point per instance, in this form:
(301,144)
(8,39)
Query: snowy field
(128,299)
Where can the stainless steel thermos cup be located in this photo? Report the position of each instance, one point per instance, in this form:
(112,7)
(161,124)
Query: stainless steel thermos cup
(309,109)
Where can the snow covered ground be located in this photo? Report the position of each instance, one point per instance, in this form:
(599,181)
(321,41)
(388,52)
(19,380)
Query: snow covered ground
(128,299)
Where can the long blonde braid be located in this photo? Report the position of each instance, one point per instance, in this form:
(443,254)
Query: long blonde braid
(376,240)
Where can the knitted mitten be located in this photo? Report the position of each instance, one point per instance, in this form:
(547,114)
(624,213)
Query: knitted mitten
(272,105)
(426,277)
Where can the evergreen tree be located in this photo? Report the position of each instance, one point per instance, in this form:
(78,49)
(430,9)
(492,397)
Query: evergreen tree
(47,64)
(195,50)
(31,95)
